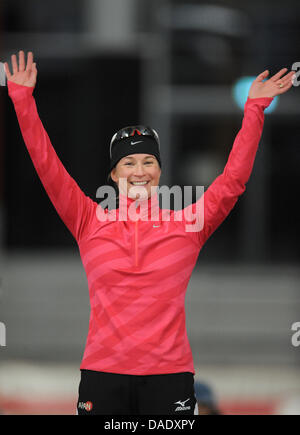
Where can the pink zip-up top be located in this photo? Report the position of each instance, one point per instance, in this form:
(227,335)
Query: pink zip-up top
(137,269)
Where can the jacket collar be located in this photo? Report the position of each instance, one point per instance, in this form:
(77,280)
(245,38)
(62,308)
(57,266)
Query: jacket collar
(140,209)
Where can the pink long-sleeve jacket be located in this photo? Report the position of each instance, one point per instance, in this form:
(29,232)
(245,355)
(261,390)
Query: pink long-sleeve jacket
(138,269)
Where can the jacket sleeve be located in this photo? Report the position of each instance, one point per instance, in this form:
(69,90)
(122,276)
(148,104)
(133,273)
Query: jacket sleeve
(221,196)
(73,206)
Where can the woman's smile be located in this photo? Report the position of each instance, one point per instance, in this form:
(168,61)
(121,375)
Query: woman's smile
(140,172)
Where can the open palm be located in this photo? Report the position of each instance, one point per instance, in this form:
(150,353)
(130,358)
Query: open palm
(22,74)
(275,85)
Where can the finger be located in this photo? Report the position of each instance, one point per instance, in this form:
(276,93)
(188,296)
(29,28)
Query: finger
(279,74)
(285,86)
(21,60)
(288,78)
(284,89)
(29,61)
(262,76)
(33,70)
(14,63)
(7,71)
(33,74)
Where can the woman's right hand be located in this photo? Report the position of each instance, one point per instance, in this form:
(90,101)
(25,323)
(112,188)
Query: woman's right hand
(22,74)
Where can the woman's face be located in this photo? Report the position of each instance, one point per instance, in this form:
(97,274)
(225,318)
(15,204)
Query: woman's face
(142,171)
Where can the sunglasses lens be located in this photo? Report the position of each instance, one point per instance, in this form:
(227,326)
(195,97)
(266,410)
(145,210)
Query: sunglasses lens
(132,130)
(126,132)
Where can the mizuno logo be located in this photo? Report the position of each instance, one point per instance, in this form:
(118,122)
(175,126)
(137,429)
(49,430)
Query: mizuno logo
(182,406)
(156,226)
(134,143)
(181,403)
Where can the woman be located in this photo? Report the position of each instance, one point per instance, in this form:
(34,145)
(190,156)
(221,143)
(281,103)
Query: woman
(137,358)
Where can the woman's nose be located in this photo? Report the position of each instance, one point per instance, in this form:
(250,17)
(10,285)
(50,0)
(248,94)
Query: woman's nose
(139,170)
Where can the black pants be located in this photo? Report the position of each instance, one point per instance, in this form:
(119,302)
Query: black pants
(113,394)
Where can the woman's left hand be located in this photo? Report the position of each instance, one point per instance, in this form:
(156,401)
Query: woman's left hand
(276,85)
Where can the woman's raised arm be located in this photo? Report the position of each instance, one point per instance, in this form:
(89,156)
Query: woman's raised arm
(74,207)
(222,195)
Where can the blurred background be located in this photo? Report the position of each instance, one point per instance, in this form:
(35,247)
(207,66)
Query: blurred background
(171,64)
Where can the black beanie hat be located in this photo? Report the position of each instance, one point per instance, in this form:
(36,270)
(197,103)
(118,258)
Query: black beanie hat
(136,143)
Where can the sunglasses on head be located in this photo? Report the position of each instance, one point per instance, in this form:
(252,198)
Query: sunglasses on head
(139,130)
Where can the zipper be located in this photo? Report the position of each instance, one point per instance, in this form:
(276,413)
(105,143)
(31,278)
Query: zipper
(136,244)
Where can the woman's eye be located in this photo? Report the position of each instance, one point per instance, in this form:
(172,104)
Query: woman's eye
(130,163)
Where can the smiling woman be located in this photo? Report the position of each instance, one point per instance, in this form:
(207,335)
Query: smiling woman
(142,173)
(135,156)
(138,359)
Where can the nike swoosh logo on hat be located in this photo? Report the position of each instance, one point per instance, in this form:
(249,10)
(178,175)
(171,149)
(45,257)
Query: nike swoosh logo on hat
(134,143)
